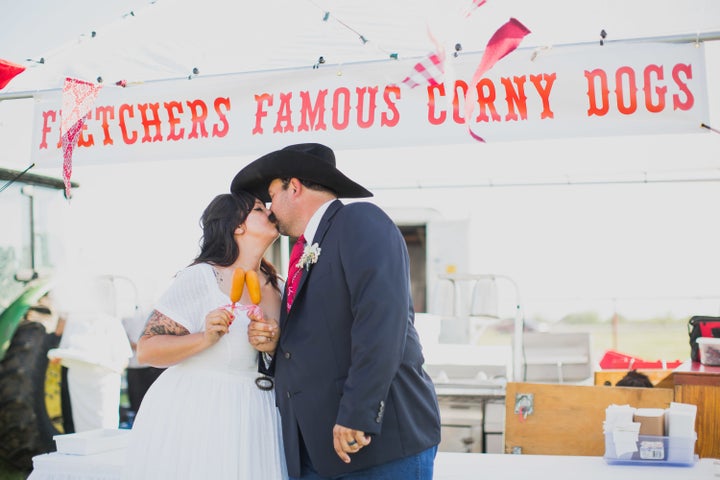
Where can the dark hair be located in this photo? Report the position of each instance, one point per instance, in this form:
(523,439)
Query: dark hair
(633,378)
(219,220)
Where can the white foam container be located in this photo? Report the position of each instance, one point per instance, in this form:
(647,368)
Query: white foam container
(92,441)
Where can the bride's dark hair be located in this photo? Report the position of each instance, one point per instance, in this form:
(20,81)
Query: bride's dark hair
(218,222)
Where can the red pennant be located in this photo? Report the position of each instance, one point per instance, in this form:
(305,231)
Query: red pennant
(504,40)
(429,70)
(8,71)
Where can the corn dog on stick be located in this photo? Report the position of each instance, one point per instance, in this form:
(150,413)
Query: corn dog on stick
(253,286)
(238,283)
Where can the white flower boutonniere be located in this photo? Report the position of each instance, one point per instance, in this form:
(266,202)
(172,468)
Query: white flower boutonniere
(309,256)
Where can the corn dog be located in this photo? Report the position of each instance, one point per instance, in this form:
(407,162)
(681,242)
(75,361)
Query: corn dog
(238,282)
(253,286)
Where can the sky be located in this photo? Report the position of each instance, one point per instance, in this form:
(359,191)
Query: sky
(639,248)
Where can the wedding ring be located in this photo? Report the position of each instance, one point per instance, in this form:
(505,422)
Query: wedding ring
(352,443)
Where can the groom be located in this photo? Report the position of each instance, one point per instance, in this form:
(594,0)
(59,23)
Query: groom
(349,381)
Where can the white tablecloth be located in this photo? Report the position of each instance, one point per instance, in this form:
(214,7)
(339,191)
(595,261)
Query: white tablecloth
(448,466)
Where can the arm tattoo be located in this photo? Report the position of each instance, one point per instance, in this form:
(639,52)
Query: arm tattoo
(159,324)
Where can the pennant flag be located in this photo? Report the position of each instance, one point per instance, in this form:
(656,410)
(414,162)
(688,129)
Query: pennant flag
(504,40)
(78,98)
(429,70)
(8,71)
(475,5)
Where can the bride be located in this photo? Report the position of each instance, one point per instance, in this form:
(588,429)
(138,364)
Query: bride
(206,416)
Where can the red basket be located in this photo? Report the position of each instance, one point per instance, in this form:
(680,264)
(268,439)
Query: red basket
(613,360)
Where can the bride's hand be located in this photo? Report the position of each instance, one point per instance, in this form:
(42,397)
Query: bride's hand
(263,333)
(217,324)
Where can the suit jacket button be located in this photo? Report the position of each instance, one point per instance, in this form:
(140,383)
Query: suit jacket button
(289,394)
(287,355)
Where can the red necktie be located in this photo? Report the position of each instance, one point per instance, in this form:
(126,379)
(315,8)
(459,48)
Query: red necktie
(294,272)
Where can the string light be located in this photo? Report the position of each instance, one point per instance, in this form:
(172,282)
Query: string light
(320,61)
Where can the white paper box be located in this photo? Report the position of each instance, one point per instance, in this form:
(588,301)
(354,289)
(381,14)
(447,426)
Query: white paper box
(92,441)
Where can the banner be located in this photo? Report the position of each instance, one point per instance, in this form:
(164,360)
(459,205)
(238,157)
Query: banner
(571,91)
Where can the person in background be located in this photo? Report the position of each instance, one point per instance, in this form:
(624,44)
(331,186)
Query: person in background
(207,415)
(354,398)
(633,378)
(139,376)
(93,347)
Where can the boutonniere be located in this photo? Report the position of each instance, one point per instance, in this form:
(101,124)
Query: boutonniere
(309,256)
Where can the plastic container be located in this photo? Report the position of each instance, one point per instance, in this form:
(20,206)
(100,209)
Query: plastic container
(654,450)
(709,350)
(91,441)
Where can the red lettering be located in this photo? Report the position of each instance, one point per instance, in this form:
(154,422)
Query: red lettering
(127,110)
(515,97)
(220,104)
(434,119)
(173,120)
(486,101)
(458,116)
(371,92)
(284,115)
(148,122)
(628,73)
(544,91)
(104,114)
(603,106)
(260,112)
(385,119)
(312,116)
(83,141)
(341,105)
(650,72)
(689,101)
(47,116)
(199,111)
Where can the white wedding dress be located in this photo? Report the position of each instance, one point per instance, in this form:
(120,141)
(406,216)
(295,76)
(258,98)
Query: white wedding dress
(205,418)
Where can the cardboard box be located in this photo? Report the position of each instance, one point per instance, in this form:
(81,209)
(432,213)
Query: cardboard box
(651,420)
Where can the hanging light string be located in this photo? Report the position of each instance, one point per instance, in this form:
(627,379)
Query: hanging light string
(326,16)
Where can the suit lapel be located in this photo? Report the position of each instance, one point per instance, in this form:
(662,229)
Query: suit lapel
(322,229)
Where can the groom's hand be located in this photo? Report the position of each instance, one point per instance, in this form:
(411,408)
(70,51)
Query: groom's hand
(347,440)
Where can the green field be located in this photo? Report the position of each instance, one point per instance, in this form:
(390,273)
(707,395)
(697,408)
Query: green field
(649,340)
(652,340)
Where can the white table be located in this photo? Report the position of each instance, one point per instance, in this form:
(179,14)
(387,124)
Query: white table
(448,466)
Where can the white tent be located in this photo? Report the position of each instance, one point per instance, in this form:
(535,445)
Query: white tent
(560,243)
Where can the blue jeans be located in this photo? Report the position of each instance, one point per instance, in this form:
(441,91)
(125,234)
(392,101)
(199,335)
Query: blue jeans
(417,467)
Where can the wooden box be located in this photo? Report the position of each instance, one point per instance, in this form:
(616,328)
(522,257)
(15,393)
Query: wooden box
(568,419)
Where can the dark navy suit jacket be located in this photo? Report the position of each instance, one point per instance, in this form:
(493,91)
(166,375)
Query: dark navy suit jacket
(349,353)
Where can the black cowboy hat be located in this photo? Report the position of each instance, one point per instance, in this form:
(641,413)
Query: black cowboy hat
(307,161)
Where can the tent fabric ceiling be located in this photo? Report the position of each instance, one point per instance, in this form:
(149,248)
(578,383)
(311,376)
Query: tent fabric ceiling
(166,39)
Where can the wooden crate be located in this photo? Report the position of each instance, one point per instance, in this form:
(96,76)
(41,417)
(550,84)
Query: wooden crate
(568,419)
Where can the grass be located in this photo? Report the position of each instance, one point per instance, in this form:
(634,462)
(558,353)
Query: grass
(661,339)
(650,341)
